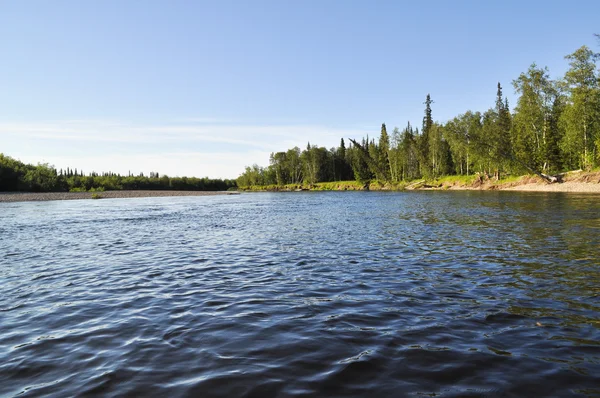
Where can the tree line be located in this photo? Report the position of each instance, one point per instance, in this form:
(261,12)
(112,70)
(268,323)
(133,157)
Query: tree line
(16,176)
(554,126)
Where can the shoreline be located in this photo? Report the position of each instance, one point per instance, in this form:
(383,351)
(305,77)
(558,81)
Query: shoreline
(565,187)
(570,182)
(9,197)
(569,187)
(529,185)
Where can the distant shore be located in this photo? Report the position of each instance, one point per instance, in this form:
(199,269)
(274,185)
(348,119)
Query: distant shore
(45,196)
(574,182)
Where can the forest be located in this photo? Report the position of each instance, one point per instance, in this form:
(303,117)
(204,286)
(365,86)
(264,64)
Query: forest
(16,176)
(554,127)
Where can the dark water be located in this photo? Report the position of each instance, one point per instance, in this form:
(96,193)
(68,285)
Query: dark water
(302,294)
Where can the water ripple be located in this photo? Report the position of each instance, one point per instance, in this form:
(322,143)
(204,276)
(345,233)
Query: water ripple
(302,294)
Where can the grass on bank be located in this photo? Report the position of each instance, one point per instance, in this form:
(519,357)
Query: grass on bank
(82,189)
(319,186)
(472,180)
(446,182)
(328,186)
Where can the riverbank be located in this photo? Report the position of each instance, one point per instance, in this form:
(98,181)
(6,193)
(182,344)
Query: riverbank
(577,187)
(45,196)
(574,181)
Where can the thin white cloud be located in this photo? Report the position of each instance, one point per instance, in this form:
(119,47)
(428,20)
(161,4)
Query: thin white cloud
(254,135)
(198,164)
(115,146)
(201,120)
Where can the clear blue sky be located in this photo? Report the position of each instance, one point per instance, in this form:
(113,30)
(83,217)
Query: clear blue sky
(204,88)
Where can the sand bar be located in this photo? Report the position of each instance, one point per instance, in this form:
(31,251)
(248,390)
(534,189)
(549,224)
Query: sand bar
(29,196)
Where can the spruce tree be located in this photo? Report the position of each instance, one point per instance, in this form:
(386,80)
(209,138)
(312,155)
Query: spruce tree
(383,154)
(358,159)
(410,153)
(342,167)
(342,149)
(503,144)
(423,141)
(495,140)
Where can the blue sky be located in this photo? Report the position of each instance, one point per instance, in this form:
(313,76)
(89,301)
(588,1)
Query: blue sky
(205,88)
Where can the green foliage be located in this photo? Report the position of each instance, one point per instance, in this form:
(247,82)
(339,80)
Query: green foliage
(383,155)
(457,179)
(360,156)
(342,169)
(535,133)
(96,196)
(20,177)
(581,117)
(254,175)
(555,126)
(463,135)
(317,164)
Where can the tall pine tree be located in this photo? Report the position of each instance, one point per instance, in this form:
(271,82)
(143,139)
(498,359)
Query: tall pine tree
(383,155)
(423,140)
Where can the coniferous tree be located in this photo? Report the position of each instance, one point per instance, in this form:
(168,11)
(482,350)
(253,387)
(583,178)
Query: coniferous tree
(358,155)
(423,139)
(383,154)
(555,126)
(494,145)
(410,154)
(501,133)
(345,170)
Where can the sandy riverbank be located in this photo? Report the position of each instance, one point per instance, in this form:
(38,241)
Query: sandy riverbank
(575,182)
(573,187)
(28,196)
(578,187)
(572,182)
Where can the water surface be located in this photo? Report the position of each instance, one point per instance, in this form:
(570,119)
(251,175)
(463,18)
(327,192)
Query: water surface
(302,294)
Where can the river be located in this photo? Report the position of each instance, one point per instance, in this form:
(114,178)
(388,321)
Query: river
(302,294)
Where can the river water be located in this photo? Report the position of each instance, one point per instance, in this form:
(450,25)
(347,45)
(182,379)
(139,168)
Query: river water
(302,294)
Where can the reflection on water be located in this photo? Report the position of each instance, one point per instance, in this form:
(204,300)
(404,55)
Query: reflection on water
(302,294)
